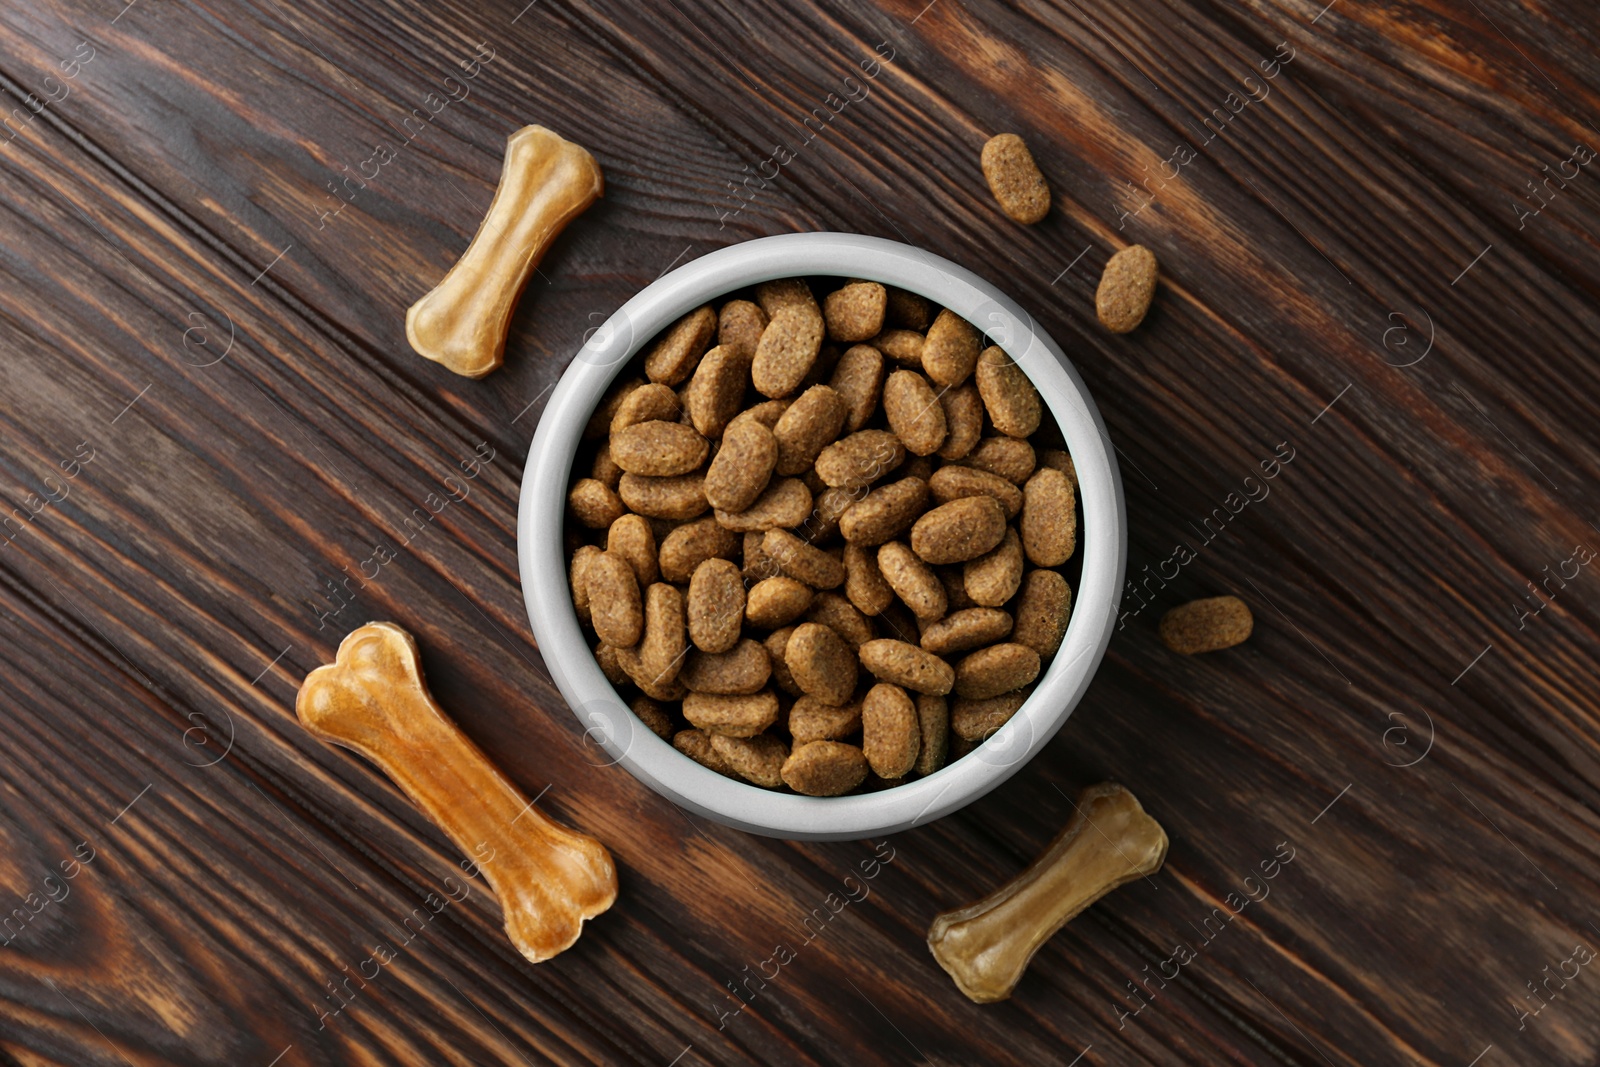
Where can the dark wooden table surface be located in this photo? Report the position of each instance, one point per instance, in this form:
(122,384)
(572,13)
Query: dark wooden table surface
(1377,229)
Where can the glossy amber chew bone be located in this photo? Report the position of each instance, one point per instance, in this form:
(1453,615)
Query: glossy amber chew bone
(545,183)
(373,699)
(987,944)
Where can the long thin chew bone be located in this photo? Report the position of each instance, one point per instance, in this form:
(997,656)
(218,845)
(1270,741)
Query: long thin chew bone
(987,945)
(373,699)
(545,183)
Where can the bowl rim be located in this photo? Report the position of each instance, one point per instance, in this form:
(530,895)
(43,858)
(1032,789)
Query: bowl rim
(620,736)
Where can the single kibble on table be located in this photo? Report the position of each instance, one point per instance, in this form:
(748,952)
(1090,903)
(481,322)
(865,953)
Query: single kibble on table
(1126,288)
(1015,179)
(814,542)
(1207,625)
(987,945)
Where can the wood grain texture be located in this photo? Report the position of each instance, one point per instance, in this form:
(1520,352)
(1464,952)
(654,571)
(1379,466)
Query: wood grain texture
(212,405)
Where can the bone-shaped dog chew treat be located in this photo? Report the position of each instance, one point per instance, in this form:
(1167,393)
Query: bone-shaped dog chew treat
(373,699)
(987,944)
(545,183)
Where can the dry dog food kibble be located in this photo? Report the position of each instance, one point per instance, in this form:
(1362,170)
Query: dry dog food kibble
(1042,611)
(992,579)
(1126,289)
(855,313)
(1204,625)
(891,735)
(716,605)
(824,768)
(758,759)
(1014,178)
(819,537)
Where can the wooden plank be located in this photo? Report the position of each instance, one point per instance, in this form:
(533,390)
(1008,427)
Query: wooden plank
(1357,211)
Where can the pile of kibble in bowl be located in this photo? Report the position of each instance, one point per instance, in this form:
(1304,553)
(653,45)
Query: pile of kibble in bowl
(821,545)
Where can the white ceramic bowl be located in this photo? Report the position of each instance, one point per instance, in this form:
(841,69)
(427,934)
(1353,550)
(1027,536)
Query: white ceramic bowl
(619,737)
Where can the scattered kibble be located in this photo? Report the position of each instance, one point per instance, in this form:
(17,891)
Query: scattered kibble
(1014,178)
(1207,625)
(1126,288)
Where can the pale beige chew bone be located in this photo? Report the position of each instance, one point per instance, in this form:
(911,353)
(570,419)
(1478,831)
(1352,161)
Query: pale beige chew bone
(545,183)
(373,699)
(987,945)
